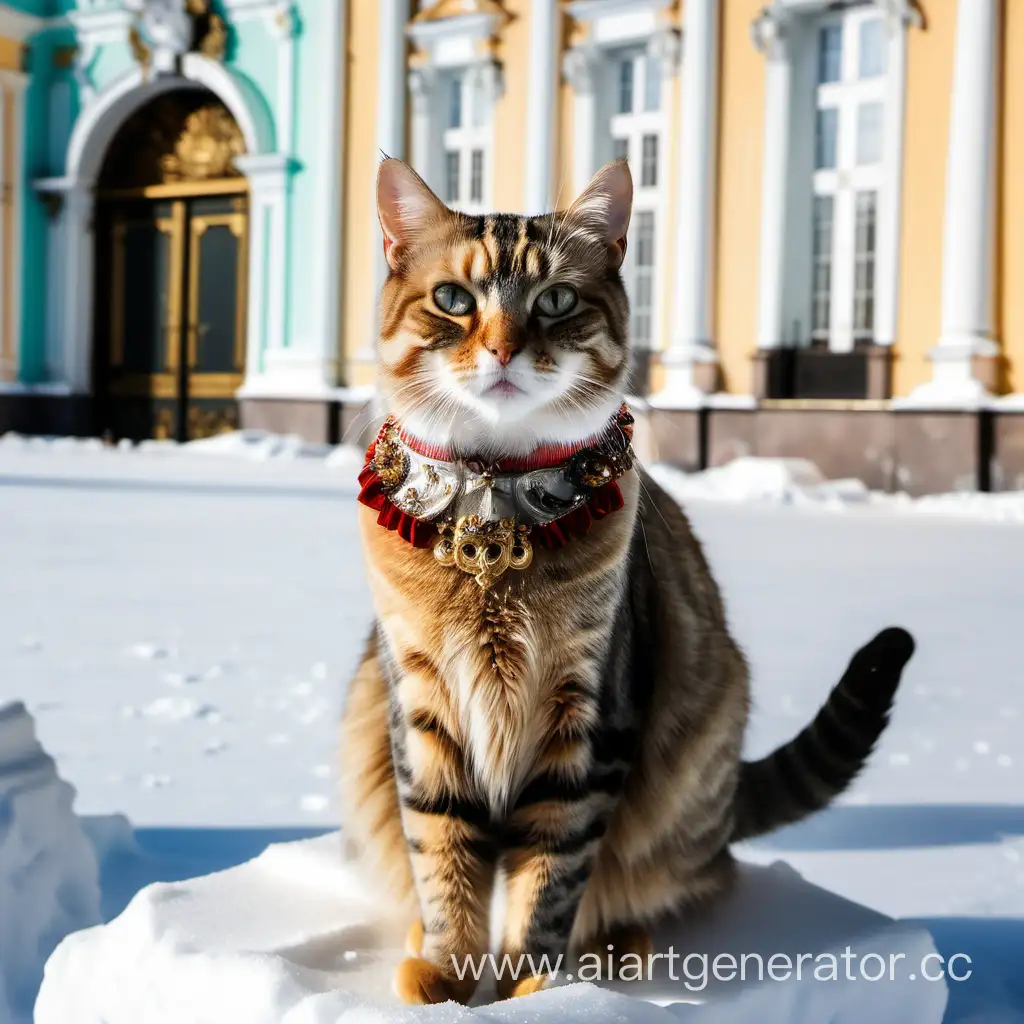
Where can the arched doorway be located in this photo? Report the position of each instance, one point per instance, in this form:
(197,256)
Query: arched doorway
(171,229)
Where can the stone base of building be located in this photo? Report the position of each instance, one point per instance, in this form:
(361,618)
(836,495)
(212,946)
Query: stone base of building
(912,450)
(323,421)
(33,412)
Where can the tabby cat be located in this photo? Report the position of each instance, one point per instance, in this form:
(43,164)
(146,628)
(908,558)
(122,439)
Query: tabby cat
(577,720)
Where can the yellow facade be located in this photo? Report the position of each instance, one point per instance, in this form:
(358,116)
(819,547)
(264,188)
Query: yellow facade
(358,302)
(740,144)
(738,191)
(510,109)
(926,142)
(1010,213)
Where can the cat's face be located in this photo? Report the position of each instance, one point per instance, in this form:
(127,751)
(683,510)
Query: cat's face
(501,332)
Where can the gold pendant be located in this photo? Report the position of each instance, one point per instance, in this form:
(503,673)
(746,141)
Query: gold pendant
(484,549)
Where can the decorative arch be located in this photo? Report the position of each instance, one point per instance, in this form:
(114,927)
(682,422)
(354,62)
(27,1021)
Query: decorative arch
(100,122)
(68,338)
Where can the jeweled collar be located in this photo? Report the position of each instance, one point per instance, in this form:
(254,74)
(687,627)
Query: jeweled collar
(484,517)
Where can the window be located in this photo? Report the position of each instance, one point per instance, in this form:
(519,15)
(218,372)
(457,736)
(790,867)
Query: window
(821,295)
(649,165)
(626,71)
(466,143)
(476,181)
(864,256)
(636,131)
(642,304)
(455,101)
(849,119)
(451,176)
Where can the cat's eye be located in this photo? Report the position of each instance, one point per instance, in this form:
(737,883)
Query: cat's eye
(454,299)
(558,300)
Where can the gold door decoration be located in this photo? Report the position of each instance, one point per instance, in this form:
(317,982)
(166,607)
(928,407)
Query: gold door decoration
(184,143)
(206,148)
(159,382)
(220,383)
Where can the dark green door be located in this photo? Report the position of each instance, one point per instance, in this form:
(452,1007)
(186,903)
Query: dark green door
(170,351)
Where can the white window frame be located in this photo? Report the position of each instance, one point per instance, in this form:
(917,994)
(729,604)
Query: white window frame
(454,48)
(620,29)
(473,135)
(633,127)
(848,179)
(785,33)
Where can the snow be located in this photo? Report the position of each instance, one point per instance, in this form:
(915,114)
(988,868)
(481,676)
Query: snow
(225,596)
(295,935)
(800,482)
(49,878)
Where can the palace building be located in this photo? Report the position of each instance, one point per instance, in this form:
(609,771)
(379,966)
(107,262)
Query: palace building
(826,255)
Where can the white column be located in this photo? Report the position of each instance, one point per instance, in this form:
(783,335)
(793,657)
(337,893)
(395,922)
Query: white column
(541,102)
(69,294)
(13,83)
(770,39)
(327,324)
(692,343)
(969,237)
(579,66)
(286,371)
(390,139)
(890,202)
(422,83)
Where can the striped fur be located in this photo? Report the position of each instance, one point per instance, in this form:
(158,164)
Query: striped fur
(580,724)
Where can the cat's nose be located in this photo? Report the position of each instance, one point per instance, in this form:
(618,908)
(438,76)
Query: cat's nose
(503,350)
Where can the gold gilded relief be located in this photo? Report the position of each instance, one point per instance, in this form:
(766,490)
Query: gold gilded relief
(206,148)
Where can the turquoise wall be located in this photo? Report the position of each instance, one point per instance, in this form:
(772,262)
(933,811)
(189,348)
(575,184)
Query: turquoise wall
(40,8)
(51,105)
(253,53)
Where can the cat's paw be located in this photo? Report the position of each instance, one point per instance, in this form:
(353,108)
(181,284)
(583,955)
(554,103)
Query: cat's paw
(509,988)
(418,982)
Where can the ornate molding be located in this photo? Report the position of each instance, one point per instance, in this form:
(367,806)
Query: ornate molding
(284,20)
(163,31)
(769,29)
(207,147)
(899,13)
(666,47)
(579,68)
(422,83)
(488,79)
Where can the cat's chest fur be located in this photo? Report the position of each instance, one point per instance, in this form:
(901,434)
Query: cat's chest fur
(495,665)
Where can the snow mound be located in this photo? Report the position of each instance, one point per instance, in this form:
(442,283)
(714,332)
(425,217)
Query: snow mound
(258,445)
(49,880)
(1007,506)
(295,937)
(769,481)
(45,442)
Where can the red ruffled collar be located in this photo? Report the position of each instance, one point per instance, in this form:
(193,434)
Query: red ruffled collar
(422,533)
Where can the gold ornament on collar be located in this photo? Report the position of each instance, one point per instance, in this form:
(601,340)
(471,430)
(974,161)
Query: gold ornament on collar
(390,459)
(484,549)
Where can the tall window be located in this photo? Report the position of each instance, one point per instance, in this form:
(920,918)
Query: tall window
(466,143)
(849,116)
(637,136)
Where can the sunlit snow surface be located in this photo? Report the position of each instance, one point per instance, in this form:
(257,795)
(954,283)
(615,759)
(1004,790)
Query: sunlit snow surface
(181,624)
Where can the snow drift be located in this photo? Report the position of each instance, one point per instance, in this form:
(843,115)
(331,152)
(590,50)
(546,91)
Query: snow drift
(295,937)
(49,882)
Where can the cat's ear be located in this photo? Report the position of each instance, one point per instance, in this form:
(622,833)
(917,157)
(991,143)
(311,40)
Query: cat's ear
(605,206)
(406,207)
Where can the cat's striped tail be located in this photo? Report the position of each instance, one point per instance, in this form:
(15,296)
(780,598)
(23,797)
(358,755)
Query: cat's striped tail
(807,773)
